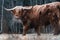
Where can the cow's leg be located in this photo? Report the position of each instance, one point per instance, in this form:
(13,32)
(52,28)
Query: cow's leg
(37,29)
(55,24)
(57,29)
(25,29)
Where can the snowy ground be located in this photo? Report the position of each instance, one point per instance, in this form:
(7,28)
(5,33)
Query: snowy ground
(29,37)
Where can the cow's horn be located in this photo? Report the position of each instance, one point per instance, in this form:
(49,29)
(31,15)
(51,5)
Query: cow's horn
(27,7)
(9,9)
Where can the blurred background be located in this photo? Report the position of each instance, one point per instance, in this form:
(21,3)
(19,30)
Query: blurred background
(6,22)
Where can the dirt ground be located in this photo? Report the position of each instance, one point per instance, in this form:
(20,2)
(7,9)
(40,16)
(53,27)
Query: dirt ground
(29,37)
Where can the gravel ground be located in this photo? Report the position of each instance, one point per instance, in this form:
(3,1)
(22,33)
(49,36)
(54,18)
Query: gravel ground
(29,37)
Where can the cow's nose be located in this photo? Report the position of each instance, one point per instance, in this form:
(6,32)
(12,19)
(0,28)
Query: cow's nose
(17,15)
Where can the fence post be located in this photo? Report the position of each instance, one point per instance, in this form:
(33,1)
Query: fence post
(2,17)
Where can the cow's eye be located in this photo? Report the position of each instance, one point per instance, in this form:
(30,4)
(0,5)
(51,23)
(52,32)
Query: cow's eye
(13,11)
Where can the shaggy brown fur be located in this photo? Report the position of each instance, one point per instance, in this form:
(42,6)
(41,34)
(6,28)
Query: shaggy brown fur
(39,15)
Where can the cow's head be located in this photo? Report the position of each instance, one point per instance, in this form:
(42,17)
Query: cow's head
(19,11)
(16,11)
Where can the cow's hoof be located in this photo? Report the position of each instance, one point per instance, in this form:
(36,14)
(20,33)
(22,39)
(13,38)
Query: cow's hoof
(38,38)
(56,33)
(24,38)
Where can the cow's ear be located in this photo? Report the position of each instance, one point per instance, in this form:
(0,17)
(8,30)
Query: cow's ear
(13,11)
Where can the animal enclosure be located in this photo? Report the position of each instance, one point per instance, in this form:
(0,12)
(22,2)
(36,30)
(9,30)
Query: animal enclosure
(12,29)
